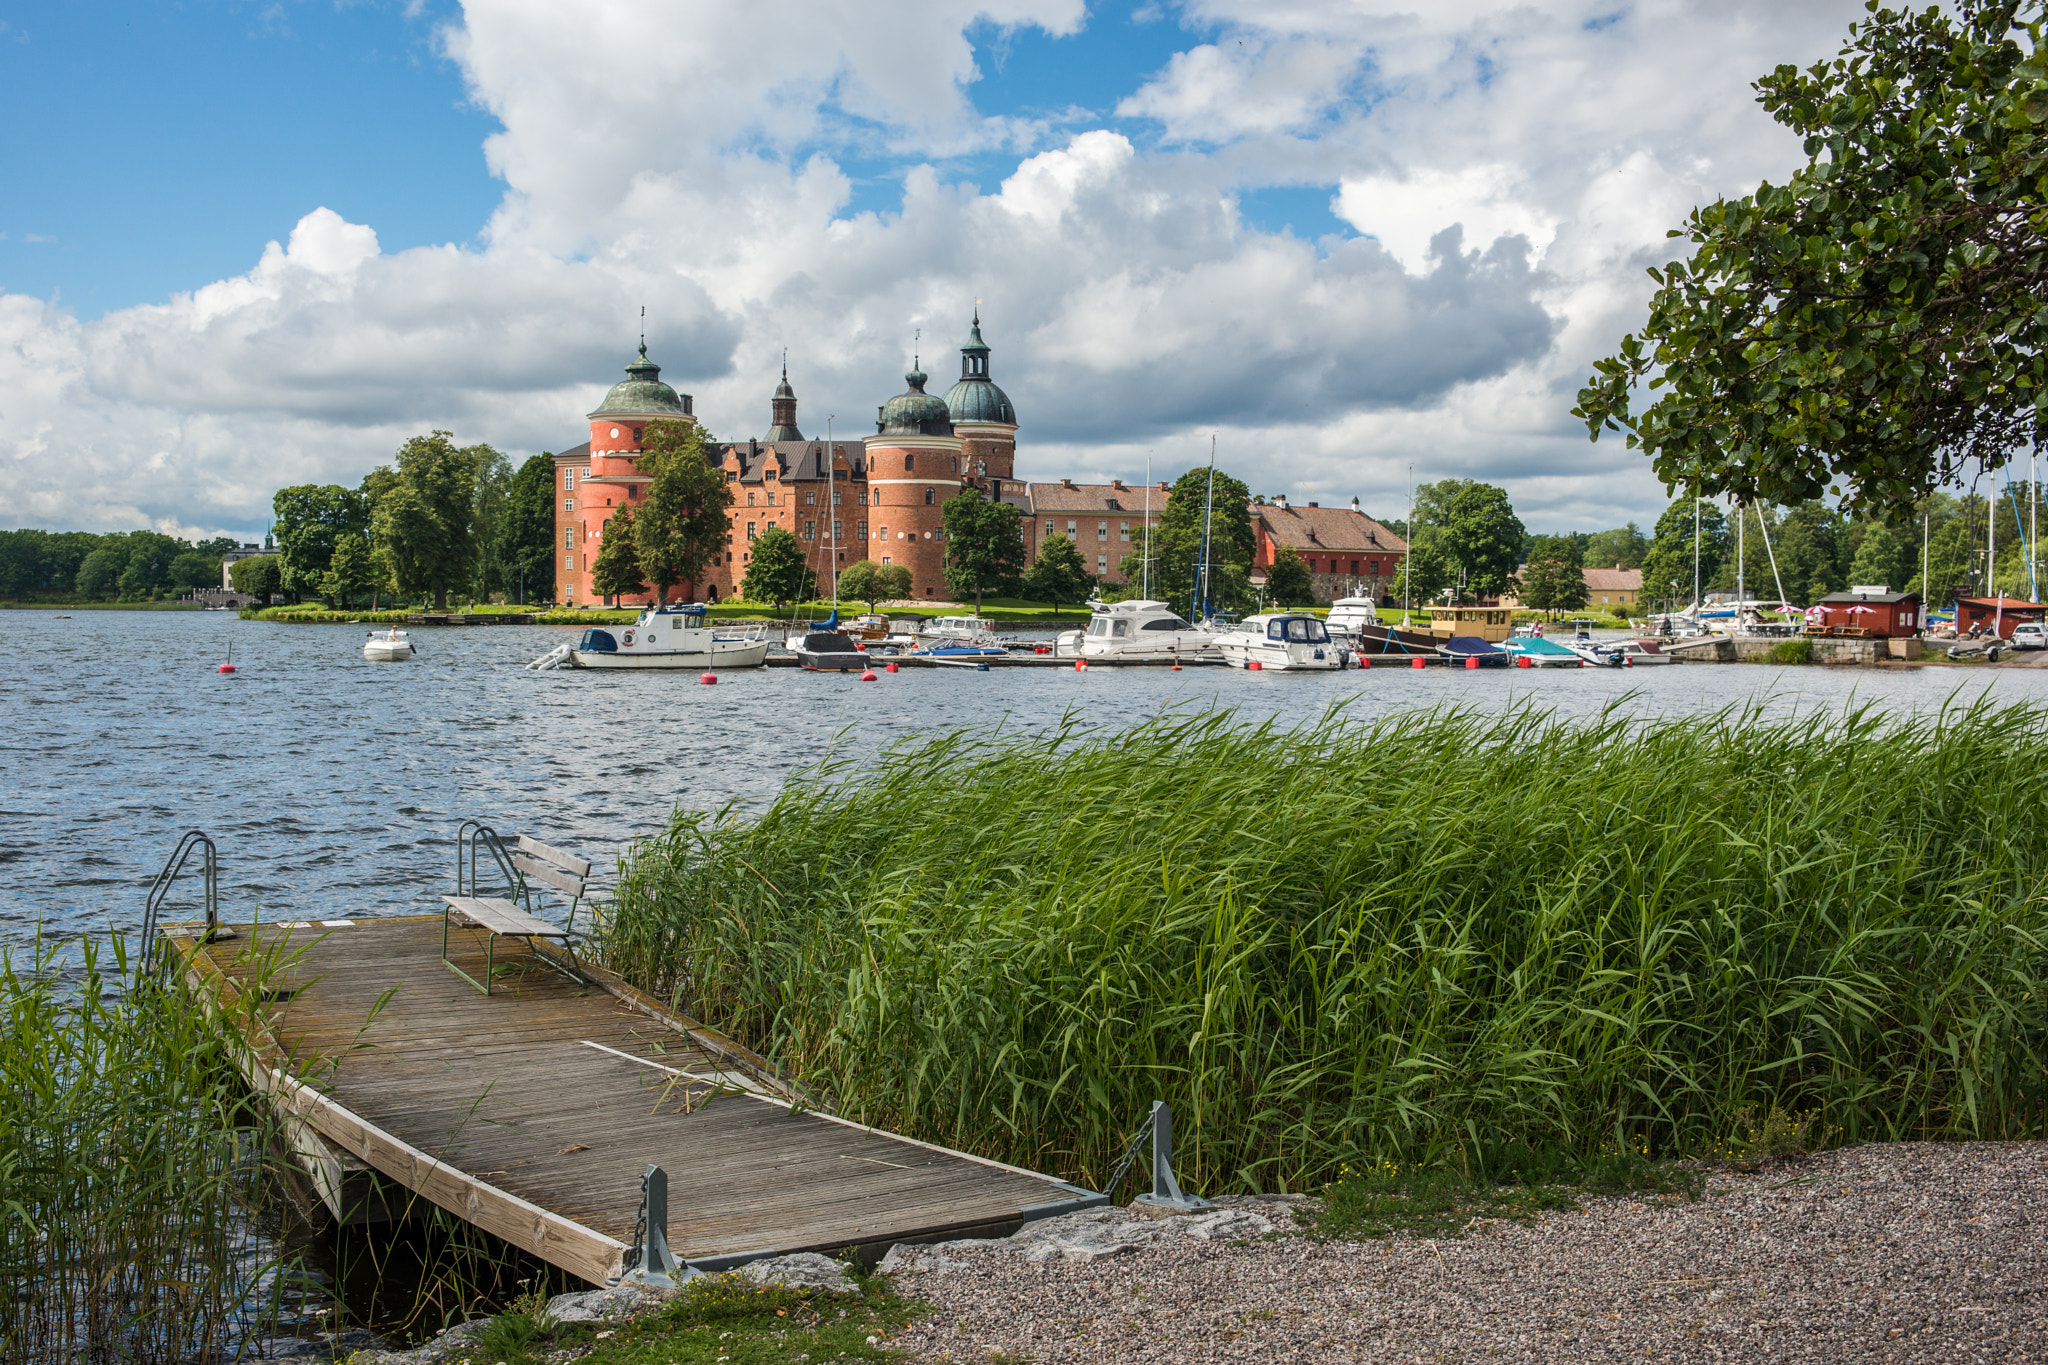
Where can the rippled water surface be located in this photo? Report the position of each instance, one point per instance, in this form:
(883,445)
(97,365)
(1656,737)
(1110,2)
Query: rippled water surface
(333,785)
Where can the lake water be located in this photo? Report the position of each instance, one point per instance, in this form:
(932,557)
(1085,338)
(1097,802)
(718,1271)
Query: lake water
(333,786)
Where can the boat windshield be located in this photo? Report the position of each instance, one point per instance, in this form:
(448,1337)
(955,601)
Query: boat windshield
(1306,630)
(1099,626)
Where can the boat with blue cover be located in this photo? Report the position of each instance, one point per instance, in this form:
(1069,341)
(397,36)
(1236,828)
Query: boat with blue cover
(1460,649)
(1540,653)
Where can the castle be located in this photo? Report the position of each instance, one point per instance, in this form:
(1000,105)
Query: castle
(883,496)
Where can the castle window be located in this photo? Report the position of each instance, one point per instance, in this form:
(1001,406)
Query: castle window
(732,476)
(930,496)
(568,537)
(568,478)
(1102,530)
(1125,534)
(910,462)
(1048,526)
(771,496)
(750,530)
(884,535)
(810,530)
(1102,564)
(569,562)
(810,497)
(1072,534)
(956,464)
(863,497)
(863,530)
(770,473)
(837,497)
(568,504)
(838,532)
(750,497)
(1354,566)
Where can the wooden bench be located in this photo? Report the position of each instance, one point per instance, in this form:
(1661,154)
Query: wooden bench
(503,917)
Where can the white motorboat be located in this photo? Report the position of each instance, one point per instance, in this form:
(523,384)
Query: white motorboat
(389,646)
(964,629)
(1637,653)
(1289,641)
(1347,614)
(662,637)
(1140,628)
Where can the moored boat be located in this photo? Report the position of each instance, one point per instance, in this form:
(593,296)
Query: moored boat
(1287,641)
(1469,650)
(828,652)
(666,637)
(1136,627)
(1540,653)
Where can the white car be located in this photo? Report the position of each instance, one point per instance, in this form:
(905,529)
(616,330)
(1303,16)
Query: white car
(2030,635)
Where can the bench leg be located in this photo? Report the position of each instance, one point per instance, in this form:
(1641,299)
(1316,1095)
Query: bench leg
(574,971)
(490,955)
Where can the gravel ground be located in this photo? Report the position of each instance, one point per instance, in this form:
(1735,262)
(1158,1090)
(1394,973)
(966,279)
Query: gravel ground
(1907,1252)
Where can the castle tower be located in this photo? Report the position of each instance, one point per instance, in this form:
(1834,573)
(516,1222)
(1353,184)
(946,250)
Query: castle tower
(614,479)
(783,410)
(982,415)
(914,466)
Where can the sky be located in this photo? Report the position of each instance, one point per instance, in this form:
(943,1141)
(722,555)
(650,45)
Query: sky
(252,243)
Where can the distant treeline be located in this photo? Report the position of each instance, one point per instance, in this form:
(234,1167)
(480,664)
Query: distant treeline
(124,566)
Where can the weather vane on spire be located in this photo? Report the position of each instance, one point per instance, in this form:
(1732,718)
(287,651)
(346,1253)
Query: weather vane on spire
(916,337)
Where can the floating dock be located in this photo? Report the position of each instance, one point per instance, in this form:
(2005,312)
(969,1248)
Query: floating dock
(534,1111)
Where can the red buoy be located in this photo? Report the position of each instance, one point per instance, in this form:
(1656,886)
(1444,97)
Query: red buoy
(1176,667)
(868,675)
(226,668)
(1418,663)
(1522,661)
(1254,665)
(1080,665)
(708,679)
(890,666)
(1471,661)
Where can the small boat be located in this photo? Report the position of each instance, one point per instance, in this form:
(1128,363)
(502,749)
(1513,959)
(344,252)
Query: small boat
(960,651)
(829,652)
(1469,650)
(1540,653)
(1287,641)
(868,627)
(661,637)
(1637,653)
(66,616)
(389,646)
(1134,628)
(970,628)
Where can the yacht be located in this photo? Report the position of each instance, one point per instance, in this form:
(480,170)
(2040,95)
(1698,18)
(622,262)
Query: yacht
(1134,628)
(661,637)
(971,629)
(1280,640)
(388,646)
(1347,614)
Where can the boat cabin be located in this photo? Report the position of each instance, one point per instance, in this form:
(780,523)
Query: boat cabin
(1491,624)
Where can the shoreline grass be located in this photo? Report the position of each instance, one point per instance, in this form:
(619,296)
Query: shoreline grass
(1426,939)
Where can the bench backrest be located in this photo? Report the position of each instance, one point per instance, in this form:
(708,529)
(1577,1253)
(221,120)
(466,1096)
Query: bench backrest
(535,861)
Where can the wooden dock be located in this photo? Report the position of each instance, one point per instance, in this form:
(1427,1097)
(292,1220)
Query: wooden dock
(533,1112)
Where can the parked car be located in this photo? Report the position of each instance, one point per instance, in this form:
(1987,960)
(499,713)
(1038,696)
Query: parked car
(2030,635)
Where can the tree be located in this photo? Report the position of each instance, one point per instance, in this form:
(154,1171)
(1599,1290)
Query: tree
(1482,536)
(1424,573)
(1554,579)
(1175,544)
(681,528)
(259,576)
(1059,573)
(424,514)
(1287,581)
(526,530)
(196,569)
(353,569)
(1671,560)
(1812,543)
(862,581)
(616,571)
(492,497)
(1622,548)
(776,571)
(1878,557)
(99,573)
(1871,328)
(310,519)
(984,545)
(148,568)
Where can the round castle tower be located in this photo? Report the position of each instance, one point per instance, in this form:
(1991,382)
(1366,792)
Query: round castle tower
(914,466)
(615,480)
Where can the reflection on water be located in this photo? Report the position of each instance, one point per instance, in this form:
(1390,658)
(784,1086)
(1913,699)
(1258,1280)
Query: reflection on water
(334,785)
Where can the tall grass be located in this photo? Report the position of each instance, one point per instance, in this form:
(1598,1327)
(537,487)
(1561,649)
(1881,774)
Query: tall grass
(1440,934)
(130,1166)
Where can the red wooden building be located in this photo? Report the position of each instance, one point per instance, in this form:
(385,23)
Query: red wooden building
(2001,614)
(1883,614)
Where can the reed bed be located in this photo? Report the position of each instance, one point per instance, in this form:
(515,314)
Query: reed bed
(1442,937)
(130,1167)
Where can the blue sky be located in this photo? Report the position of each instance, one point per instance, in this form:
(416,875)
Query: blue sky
(250,244)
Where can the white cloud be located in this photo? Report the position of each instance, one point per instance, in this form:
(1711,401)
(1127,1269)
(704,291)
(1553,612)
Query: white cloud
(693,158)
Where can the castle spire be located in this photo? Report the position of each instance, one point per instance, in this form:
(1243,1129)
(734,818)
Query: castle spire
(782,409)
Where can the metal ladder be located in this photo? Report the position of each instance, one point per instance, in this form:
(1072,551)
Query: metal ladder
(193,841)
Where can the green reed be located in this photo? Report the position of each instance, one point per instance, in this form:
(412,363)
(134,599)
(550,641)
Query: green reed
(130,1165)
(1439,936)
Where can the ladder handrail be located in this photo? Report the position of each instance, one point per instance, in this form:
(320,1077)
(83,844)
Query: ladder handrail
(467,835)
(160,889)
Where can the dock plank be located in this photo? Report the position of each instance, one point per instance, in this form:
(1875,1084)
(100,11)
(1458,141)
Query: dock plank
(533,1111)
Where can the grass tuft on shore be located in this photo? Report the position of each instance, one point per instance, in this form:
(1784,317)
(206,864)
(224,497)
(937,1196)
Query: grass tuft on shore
(1429,939)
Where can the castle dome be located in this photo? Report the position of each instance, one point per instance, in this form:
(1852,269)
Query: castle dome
(641,393)
(915,412)
(976,398)
(782,410)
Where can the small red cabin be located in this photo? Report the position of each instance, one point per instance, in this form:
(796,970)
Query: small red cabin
(1883,614)
(1995,613)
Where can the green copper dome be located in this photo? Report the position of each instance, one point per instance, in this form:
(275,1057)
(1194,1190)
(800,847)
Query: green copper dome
(915,412)
(641,393)
(976,398)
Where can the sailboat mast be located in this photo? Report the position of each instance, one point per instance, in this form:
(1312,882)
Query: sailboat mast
(1208,507)
(1741,538)
(1145,555)
(1991,557)
(1695,553)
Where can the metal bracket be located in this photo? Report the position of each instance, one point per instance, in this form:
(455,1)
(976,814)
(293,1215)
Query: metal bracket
(653,1263)
(1166,1191)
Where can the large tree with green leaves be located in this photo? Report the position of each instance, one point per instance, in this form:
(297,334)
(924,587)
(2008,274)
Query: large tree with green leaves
(311,518)
(1175,545)
(776,571)
(259,576)
(984,545)
(1554,579)
(1288,581)
(1621,548)
(1482,536)
(1873,327)
(526,529)
(1423,574)
(616,571)
(424,514)
(681,526)
(1058,573)
(493,505)
(1668,568)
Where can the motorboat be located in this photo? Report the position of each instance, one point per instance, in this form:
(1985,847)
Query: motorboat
(1347,615)
(829,652)
(1587,648)
(971,628)
(868,627)
(1540,653)
(388,646)
(1141,628)
(1288,641)
(1637,653)
(959,651)
(1469,651)
(661,637)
